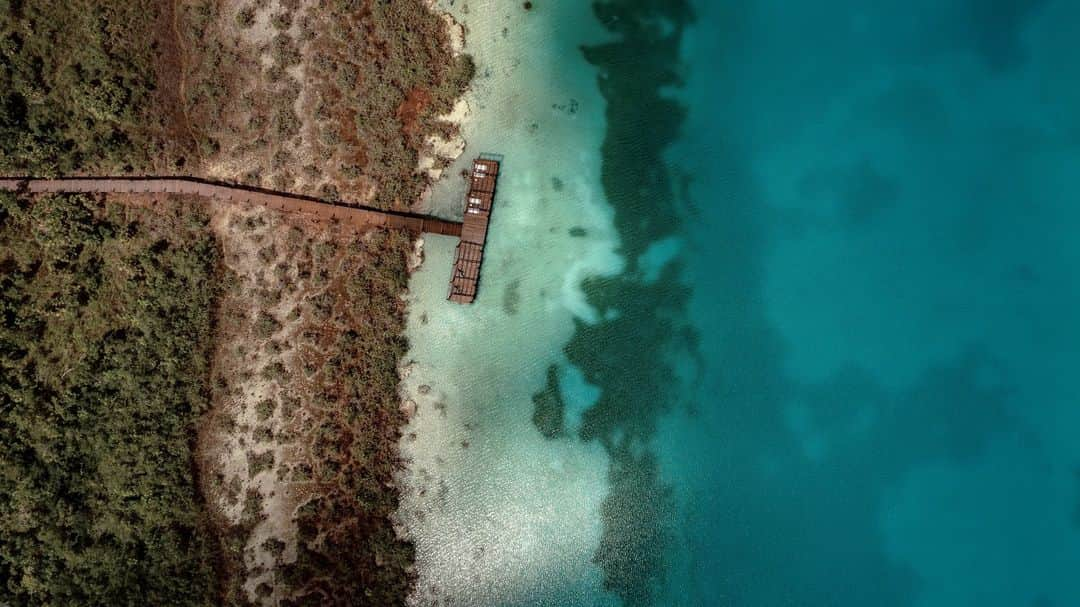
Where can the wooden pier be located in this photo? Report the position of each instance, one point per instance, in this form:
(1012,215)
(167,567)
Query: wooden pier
(472,231)
(474,228)
(279,201)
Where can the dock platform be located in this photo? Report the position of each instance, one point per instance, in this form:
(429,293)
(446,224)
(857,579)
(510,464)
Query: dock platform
(474,228)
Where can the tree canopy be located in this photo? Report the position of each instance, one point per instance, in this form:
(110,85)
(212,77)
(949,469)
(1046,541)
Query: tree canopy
(79,86)
(105,321)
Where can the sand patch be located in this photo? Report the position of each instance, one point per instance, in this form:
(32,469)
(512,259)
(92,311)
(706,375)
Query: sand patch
(246,448)
(303,408)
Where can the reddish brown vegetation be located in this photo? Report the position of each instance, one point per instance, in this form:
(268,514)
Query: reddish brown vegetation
(410,110)
(306,369)
(330,98)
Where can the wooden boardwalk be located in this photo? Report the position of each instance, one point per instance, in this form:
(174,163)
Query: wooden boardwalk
(470,251)
(291,203)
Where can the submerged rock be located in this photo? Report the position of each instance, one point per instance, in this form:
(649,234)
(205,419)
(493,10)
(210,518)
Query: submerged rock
(549,408)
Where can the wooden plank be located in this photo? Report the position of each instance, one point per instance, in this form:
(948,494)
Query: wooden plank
(469,256)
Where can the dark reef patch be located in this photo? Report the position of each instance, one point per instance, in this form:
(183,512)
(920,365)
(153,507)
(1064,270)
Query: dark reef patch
(570,108)
(997,30)
(549,408)
(512,297)
(773,549)
(626,355)
(635,512)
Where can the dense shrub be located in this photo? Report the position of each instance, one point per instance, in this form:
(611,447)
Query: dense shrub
(105,321)
(390,71)
(83,86)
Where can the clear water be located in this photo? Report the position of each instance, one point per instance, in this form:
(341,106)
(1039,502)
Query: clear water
(805,276)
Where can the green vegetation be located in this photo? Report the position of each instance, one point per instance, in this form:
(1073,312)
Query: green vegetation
(104,335)
(258,462)
(106,310)
(87,86)
(326,434)
(266,326)
(265,409)
(132,87)
(381,75)
(246,17)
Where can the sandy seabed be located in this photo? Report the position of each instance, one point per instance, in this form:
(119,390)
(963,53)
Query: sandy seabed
(499,514)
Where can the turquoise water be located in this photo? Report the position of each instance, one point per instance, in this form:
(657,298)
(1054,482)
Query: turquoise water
(798,282)
(884,287)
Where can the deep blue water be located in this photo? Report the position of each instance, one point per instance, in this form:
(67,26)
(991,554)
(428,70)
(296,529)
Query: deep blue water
(877,205)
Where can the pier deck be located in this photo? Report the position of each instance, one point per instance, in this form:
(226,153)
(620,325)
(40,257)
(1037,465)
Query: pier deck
(474,228)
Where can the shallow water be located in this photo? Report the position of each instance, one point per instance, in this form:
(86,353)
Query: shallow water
(804,276)
(500,514)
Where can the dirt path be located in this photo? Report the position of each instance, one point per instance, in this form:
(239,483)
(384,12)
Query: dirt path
(176,7)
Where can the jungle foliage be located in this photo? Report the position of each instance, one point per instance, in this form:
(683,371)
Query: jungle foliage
(105,322)
(85,86)
(106,309)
